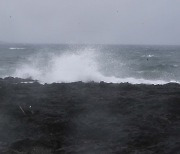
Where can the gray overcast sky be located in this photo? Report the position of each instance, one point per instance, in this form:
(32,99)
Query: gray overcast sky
(90,21)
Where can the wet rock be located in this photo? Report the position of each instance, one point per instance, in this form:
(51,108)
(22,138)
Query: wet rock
(88,117)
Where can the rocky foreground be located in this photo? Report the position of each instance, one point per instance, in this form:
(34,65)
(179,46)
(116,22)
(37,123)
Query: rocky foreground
(88,118)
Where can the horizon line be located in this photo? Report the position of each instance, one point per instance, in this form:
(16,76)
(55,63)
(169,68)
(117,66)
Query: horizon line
(45,43)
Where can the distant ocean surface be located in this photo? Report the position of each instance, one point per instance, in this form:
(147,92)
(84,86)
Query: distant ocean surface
(135,64)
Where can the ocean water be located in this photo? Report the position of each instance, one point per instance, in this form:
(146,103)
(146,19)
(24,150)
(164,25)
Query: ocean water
(135,64)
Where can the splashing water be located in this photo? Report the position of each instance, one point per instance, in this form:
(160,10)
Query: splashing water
(70,67)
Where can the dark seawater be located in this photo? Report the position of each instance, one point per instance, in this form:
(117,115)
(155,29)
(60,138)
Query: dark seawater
(109,63)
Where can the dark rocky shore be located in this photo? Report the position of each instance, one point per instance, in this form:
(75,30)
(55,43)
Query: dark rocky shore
(88,118)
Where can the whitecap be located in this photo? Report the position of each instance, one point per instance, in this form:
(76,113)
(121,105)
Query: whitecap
(148,56)
(16,48)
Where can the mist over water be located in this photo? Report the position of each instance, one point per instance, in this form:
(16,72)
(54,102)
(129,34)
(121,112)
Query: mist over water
(108,63)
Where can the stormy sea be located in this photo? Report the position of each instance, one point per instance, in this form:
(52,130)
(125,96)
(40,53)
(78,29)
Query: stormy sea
(89,99)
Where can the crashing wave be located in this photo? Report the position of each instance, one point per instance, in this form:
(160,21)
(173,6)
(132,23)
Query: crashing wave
(71,67)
